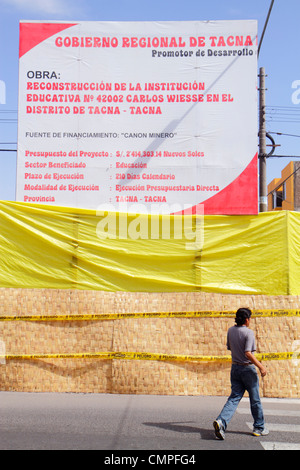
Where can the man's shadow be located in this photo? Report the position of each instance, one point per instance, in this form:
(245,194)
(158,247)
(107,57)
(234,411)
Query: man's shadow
(183,427)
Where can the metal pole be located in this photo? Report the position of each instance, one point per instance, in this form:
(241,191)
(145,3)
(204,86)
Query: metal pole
(263,199)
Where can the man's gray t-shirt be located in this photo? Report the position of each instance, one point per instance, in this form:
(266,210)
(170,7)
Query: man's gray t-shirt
(239,340)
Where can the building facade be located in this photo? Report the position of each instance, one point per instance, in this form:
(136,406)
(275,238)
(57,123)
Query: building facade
(284,192)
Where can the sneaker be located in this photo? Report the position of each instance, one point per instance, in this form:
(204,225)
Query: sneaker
(219,429)
(260,432)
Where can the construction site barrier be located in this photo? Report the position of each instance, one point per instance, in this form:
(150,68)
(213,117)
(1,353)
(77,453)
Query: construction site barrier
(150,356)
(46,247)
(144,355)
(118,316)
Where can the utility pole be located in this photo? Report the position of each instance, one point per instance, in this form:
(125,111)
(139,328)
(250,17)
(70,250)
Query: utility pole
(263,198)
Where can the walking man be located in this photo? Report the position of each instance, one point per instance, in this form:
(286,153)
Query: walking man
(241,343)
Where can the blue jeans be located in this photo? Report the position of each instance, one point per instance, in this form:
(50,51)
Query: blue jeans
(243,378)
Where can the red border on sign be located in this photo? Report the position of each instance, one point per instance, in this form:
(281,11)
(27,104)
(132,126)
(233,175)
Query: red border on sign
(32,34)
(238,198)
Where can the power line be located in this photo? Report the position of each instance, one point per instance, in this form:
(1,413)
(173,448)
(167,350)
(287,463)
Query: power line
(283,119)
(294,108)
(5,116)
(284,156)
(281,133)
(265,27)
(282,113)
(282,116)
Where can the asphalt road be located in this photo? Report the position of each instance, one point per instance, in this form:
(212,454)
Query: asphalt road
(53,421)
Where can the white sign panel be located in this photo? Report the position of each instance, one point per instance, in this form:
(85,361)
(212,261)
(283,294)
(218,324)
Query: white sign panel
(150,117)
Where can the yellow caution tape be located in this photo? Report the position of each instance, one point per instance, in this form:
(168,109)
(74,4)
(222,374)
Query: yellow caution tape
(277,356)
(150,356)
(117,316)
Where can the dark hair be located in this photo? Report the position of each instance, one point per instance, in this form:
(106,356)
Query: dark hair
(241,316)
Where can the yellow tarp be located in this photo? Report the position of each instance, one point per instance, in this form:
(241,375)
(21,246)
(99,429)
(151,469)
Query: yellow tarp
(62,248)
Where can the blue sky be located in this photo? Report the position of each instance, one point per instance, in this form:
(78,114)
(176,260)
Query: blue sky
(279,55)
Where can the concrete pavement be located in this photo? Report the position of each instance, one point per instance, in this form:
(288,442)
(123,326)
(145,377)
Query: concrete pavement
(54,421)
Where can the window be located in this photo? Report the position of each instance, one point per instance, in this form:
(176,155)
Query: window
(278,196)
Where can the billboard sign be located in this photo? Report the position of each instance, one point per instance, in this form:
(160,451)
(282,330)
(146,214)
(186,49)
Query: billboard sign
(153,117)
